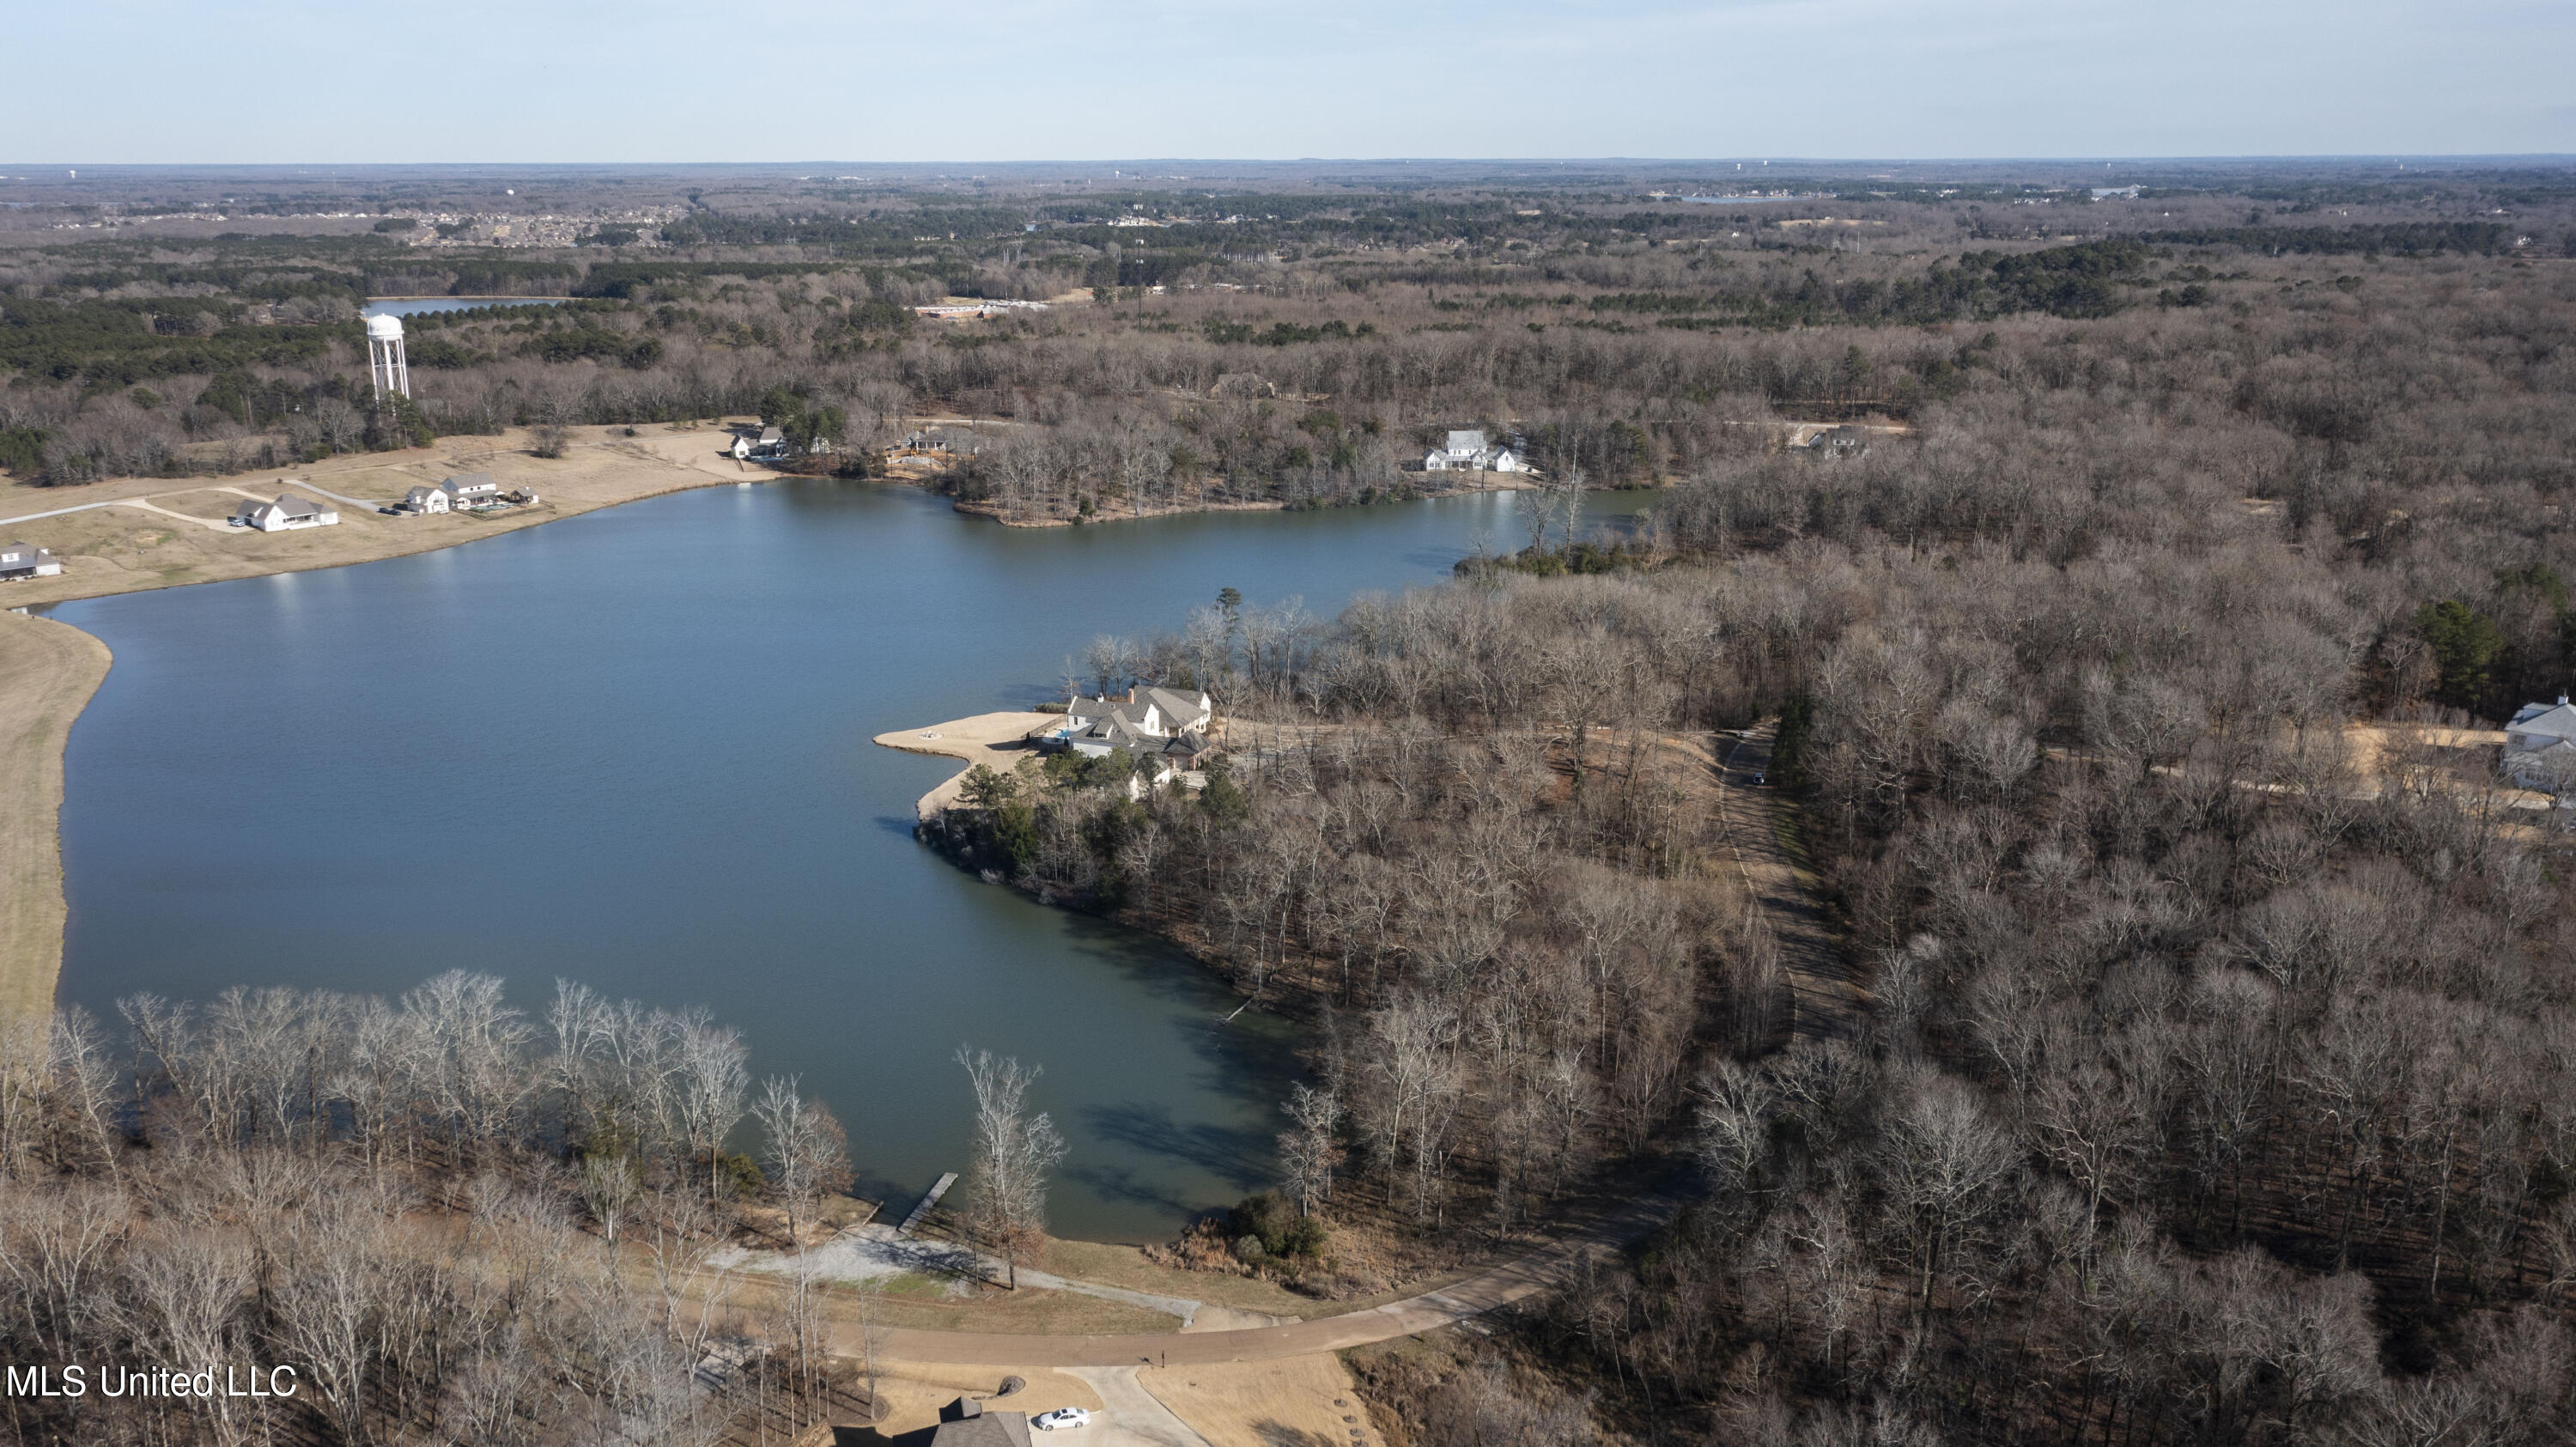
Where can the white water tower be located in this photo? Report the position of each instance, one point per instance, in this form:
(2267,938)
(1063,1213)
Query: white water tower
(386,366)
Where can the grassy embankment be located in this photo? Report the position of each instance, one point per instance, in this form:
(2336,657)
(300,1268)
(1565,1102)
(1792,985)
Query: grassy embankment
(48,671)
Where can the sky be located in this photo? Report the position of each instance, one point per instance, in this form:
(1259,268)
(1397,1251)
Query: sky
(278,81)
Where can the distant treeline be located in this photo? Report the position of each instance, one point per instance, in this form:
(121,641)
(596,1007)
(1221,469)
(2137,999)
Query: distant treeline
(2408,238)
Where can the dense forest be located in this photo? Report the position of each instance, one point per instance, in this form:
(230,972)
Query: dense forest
(2213,1084)
(2156,1028)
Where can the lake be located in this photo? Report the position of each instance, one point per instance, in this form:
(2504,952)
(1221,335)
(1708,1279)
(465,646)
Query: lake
(632,749)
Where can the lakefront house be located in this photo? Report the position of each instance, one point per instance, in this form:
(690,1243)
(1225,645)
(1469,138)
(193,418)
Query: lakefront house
(1466,451)
(770,446)
(1163,729)
(2540,746)
(286,514)
(25,560)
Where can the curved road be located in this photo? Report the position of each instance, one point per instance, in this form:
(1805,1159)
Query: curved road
(1528,1275)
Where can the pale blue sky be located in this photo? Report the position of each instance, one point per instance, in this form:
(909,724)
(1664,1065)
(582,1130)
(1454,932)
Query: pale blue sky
(908,80)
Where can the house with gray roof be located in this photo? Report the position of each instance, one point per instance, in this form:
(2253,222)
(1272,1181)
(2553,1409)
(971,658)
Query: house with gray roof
(769,446)
(1144,721)
(286,514)
(1163,730)
(965,1423)
(2540,746)
(471,489)
(25,560)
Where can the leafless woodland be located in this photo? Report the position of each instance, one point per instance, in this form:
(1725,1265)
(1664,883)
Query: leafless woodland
(455,1223)
(2211,1084)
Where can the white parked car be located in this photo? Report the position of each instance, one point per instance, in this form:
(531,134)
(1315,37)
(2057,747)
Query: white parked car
(1062,1417)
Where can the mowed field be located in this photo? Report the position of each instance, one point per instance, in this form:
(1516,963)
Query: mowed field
(160,533)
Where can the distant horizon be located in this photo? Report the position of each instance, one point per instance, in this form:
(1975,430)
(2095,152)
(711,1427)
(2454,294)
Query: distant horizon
(683,82)
(2355,158)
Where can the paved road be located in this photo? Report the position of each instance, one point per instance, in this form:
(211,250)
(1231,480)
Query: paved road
(58,512)
(1540,1270)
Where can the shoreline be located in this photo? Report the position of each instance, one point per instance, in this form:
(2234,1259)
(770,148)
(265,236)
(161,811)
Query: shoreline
(51,670)
(992,511)
(131,535)
(995,739)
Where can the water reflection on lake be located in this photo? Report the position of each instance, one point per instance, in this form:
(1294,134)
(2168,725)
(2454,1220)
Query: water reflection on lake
(632,749)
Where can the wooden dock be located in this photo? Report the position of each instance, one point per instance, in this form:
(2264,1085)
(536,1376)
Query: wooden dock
(938,1189)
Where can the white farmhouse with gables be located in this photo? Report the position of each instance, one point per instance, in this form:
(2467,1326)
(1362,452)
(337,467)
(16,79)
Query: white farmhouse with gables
(770,446)
(2540,746)
(1466,451)
(470,489)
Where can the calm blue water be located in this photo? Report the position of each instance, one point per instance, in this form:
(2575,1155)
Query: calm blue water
(414,306)
(632,749)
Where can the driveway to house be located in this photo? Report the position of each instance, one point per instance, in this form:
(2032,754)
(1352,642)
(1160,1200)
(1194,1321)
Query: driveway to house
(1130,1416)
(218,524)
(133,502)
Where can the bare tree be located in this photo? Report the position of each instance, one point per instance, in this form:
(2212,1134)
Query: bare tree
(713,1082)
(808,1153)
(1013,1151)
(1308,1154)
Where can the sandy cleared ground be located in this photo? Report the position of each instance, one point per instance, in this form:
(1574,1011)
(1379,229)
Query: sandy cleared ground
(48,671)
(998,739)
(1306,1401)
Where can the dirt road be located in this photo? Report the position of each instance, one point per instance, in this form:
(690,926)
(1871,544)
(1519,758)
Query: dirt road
(1756,820)
(1538,1271)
